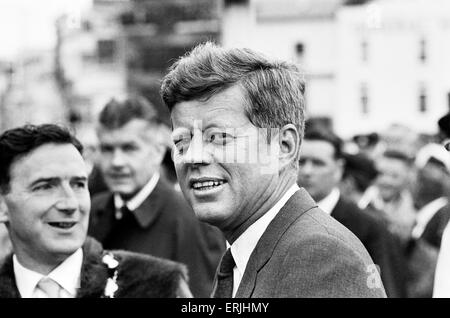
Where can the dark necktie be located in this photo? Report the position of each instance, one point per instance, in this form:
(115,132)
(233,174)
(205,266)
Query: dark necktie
(123,212)
(224,287)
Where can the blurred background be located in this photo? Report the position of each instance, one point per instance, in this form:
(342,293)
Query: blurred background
(377,74)
(380,66)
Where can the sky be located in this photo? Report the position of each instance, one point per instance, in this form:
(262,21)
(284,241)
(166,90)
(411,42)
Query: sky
(29,24)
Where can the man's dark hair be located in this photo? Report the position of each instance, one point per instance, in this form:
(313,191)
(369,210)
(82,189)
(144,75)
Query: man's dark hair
(273,90)
(314,133)
(117,114)
(361,169)
(18,142)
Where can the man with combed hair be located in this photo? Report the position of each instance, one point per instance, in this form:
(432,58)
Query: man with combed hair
(240,176)
(45,204)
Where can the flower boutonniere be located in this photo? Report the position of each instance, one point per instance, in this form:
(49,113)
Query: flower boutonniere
(111,284)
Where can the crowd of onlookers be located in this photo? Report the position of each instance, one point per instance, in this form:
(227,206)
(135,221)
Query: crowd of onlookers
(390,189)
(399,178)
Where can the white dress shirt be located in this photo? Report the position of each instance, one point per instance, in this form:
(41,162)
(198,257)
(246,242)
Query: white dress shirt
(441,287)
(139,197)
(67,275)
(328,203)
(425,214)
(244,245)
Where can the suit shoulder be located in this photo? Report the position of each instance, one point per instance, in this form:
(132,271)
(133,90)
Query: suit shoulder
(329,260)
(315,228)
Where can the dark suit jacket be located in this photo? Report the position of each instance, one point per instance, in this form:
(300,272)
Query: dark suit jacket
(306,253)
(384,248)
(435,227)
(163,226)
(139,276)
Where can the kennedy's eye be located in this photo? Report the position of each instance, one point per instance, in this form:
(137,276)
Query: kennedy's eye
(182,143)
(219,138)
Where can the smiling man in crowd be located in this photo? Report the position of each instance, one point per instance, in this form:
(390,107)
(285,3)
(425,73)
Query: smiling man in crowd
(240,176)
(45,204)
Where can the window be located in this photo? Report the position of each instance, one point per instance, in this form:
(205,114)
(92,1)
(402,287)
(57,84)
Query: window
(422,99)
(364,99)
(423,50)
(364,50)
(299,52)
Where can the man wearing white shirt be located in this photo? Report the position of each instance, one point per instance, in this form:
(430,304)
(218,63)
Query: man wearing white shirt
(431,193)
(441,287)
(45,205)
(237,120)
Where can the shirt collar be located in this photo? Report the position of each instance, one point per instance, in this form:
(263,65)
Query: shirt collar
(140,197)
(328,203)
(242,248)
(67,275)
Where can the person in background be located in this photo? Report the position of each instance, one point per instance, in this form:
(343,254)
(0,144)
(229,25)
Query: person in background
(431,193)
(141,211)
(237,120)
(88,138)
(442,274)
(45,204)
(359,174)
(391,193)
(321,170)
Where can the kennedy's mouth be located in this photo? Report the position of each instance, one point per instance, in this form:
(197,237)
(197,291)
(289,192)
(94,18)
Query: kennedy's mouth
(205,184)
(62,225)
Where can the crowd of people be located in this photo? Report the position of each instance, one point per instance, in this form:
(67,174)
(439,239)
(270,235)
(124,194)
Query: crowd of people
(243,198)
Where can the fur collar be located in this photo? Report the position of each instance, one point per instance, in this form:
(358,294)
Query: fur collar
(138,275)
(92,280)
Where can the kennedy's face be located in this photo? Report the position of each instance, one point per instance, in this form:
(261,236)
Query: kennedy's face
(221,159)
(129,156)
(48,204)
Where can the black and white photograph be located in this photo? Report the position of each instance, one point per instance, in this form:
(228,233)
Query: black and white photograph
(243,150)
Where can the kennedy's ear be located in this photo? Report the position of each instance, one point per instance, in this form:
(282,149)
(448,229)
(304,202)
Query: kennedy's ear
(289,140)
(3,210)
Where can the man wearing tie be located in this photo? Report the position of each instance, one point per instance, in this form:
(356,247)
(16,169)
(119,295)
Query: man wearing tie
(45,204)
(237,120)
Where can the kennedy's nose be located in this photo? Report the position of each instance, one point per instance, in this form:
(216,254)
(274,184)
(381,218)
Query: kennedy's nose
(198,152)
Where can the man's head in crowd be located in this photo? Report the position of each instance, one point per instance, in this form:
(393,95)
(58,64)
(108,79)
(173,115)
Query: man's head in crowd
(321,164)
(222,101)
(132,144)
(433,170)
(44,197)
(359,174)
(394,176)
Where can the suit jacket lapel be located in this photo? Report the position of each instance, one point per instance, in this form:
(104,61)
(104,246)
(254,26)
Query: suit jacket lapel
(299,203)
(8,287)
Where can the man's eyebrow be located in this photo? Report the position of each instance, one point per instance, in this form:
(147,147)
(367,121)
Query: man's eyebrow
(55,179)
(80,178)
(47,180)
